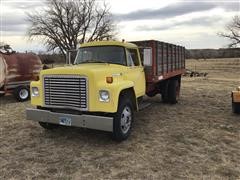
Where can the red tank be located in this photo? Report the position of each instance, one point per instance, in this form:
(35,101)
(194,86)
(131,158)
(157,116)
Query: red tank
(17,70)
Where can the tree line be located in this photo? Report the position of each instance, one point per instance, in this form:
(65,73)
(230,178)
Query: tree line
(213,53)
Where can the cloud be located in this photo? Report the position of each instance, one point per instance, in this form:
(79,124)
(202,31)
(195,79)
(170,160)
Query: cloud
(230,6)
(202,21)
(176,9)
(25,5)
(12,25)
(14,19)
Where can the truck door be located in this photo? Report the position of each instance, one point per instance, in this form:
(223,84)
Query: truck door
(135,71)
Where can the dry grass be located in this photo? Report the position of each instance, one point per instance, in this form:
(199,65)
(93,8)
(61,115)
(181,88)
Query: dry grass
(199,138)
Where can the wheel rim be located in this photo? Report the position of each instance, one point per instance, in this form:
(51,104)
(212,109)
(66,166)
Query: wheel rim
(23,94)
(126,119)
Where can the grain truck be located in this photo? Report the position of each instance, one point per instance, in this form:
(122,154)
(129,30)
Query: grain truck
(106,85)
(236,100)
(16,72)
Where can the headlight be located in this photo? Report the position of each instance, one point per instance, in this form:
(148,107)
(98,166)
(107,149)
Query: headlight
(35,91)
(103,96)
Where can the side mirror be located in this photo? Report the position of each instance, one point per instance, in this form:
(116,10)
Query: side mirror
(71,55)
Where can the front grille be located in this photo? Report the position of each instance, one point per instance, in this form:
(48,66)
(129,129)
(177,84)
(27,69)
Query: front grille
(66,91)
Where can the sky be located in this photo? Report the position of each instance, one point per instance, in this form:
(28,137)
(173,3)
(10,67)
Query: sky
(193,24)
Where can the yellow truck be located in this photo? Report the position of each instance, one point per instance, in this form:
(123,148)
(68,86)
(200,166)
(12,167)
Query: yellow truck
(236,100)
(106,85)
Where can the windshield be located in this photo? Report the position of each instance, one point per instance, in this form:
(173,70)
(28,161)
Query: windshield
(101,54)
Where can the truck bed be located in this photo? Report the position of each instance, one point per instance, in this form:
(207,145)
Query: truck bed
(167,60)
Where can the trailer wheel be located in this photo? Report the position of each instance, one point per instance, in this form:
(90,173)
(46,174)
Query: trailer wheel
(22,93)
(48,126)
(173,91)
(2,91)
(122,124)
(236,107)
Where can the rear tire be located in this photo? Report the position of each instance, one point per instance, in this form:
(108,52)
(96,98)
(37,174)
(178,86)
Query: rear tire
(236,107)
(164,93)
(48,126)
(123,118)
(173,91)
(22,93)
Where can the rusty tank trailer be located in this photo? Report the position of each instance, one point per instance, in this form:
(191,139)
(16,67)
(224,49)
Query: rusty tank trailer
(17,70)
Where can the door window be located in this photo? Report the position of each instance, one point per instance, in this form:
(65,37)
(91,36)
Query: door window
(132,57)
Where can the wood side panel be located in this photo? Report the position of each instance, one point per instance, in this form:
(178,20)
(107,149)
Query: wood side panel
(168,60)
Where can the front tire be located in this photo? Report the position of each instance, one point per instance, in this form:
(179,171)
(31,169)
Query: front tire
(123,119)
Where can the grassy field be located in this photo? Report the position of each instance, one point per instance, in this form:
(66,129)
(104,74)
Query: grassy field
(199,138)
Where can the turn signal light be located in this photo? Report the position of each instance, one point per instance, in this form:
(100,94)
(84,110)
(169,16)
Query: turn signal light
(109,80)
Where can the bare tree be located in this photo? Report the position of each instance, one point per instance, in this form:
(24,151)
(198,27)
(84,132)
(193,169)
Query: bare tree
(233,32)
(64,24)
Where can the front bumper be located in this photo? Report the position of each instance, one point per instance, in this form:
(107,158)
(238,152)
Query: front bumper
(85,121)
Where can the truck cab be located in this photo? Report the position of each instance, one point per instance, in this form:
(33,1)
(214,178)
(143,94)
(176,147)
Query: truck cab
(99,91)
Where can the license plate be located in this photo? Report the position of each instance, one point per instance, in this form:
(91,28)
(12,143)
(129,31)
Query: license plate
(66,121)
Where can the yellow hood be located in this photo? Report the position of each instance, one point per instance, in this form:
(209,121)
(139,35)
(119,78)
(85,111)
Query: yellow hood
(88,69)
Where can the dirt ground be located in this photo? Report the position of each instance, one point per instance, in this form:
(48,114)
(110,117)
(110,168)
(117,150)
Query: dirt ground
(199,138)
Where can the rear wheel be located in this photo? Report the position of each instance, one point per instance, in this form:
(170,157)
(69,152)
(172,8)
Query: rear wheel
(173,91)
(48,126)
(164,92)
(123,119)
(22,93)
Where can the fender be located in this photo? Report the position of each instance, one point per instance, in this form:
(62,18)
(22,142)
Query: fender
(37,100)
(118,89)
(114,90)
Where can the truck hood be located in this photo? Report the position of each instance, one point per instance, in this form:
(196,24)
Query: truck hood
(87,69)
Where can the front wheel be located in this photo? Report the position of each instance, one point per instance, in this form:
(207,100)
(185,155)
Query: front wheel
(123,119)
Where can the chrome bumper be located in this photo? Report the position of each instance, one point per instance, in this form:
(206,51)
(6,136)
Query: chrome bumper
(85,121)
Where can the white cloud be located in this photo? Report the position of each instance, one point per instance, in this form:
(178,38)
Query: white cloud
(169,21)
(22,43)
